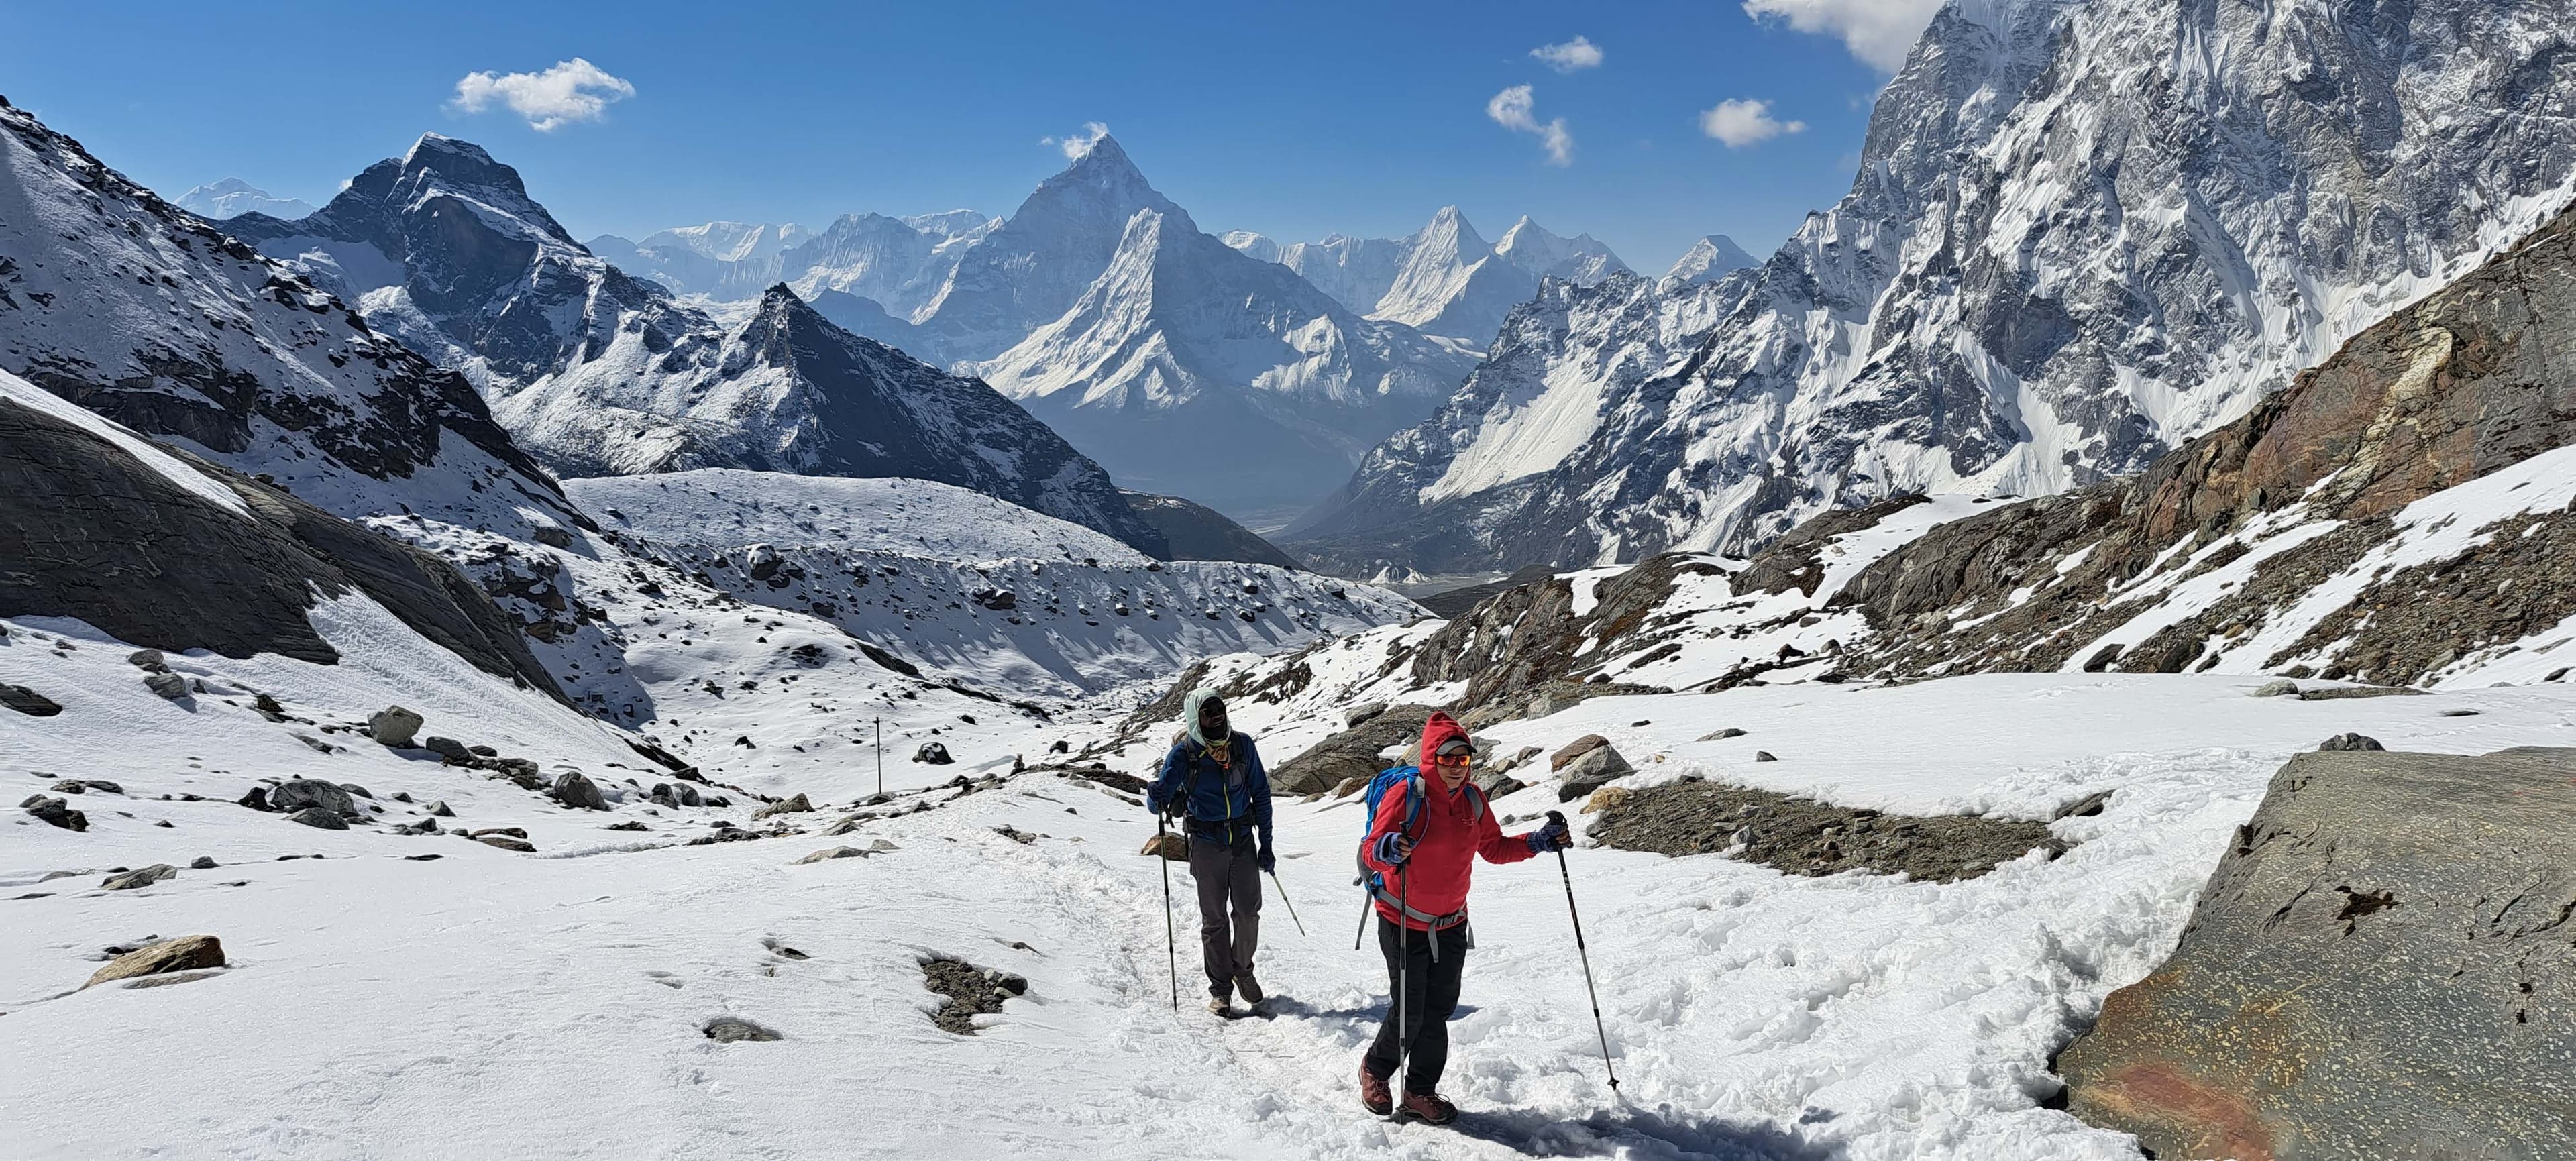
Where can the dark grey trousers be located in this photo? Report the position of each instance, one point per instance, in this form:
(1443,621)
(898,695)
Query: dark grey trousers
(1227,874)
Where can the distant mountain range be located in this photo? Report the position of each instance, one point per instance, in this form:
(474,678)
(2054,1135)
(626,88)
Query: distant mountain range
(1445,279)
(233,197)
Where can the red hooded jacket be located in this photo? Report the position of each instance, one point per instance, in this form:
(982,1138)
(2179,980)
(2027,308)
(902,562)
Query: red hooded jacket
(1450,830)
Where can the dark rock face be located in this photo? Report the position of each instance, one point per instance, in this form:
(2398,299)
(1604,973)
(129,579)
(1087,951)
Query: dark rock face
(1352,753)
(28,701)
(2379,967)
(1528,637)
(89,529)
(2475,378)
(1802,836)
(1193,531)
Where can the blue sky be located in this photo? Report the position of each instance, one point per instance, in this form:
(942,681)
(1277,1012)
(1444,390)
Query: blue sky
(1296,121)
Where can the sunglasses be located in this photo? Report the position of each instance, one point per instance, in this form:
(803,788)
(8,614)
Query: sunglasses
(1453,759)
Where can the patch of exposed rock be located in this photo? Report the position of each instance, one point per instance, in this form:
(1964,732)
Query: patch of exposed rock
(971,992)
(186,953)
(2380,966)
(1802,836)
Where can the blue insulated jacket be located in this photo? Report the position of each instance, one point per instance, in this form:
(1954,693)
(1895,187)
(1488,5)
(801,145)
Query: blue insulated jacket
(1223,802)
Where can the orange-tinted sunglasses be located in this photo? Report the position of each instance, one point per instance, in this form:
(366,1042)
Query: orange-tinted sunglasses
(1453,759)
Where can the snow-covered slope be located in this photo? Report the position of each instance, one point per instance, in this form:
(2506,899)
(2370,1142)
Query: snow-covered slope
(723,260)
(232,196)
(140,312)
(1444,279)
(598,372)
(2080,233)
(1709,259)
(1191,368)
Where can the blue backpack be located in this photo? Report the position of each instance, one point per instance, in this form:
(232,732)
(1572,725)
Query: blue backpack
(1409,778)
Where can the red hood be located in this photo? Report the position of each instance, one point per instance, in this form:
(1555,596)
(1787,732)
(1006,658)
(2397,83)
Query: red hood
(1437,730)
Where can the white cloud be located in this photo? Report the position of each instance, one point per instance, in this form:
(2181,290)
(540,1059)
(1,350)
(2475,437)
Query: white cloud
(1512,109)
(1572,56)
(1879,32)
(573,90)
(1077,146)
(1742,122)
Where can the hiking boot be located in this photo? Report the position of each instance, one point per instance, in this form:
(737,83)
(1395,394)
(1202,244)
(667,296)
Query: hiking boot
(1373,1094)
(1248,988)
(1220,1005)
(1428,1108)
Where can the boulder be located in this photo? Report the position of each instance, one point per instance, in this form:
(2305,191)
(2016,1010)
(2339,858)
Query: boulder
(734,1029)
(1169,844)
(829,853)
(28,701)
(186,953)
(202,863)
(2350,742)
(57,812)
(793,805)
(304,792)
(169,685)
(1764,756)
(143,877)
(1606,798)
(506,843)
(2378,967)
(150,660)
(1351,785)
(319,817)
(1497,784)
(257,799)
(1361,713)
(1598,767)
(932,753)
(449,748)
(510,831)
(1575,749)
(519,772)
(393,726)
(440,809)
(575,790)
(1721,735)
(2280,687)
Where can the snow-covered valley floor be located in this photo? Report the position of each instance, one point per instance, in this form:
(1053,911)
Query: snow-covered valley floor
(490,1004)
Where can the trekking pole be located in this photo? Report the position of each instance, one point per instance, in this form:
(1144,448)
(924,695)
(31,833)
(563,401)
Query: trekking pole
(1367,904)
(1292,907)
(1171,938)
(1556,818)
(1403,968)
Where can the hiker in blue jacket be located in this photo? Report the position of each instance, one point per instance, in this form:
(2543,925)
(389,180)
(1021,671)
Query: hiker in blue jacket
(1213,777)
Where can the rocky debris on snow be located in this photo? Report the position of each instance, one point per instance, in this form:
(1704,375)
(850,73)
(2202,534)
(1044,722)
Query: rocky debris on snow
(932,753)
(454,751)
(676,794)
(1350,786)
(202,863)
(142,877)
(299,793)
(1525,654)
(1172,845)
(2408,910)
(2085,807)
(256,798)
(319,817)
(576,790)
(85,785)
(356,791)
(1802,836)
(57,812)
(186,953)
(28,701)
(393,726)
(628,825)
(1597,766)
(1721,735)
(998,600)
(735,1029)
(2278,687)
(1495,784)
(1017,835)
(519,772)
(1606,798)
(2350,741)
(1764,756)
(792,805)
(971,992)
(440,809)
(507,842)
(168,685)
(1362,712)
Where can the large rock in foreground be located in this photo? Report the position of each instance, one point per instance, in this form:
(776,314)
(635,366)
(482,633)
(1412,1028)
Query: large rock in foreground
(2381,966)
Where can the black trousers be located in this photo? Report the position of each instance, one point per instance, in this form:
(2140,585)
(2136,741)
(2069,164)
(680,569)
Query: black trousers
(1229,879)
(1420,1010)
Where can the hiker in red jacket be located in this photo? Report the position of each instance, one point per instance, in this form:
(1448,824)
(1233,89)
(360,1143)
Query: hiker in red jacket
(1422,846)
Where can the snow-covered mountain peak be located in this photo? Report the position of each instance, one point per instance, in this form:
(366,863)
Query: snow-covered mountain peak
(952,223)
(731,241)
(1581,259)
(1709,259)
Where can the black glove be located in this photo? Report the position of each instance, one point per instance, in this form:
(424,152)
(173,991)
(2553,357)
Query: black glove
(1269,860)
(1555,836)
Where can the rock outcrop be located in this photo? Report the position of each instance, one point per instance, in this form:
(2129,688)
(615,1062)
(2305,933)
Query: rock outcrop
(186,953)
(2379,967)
